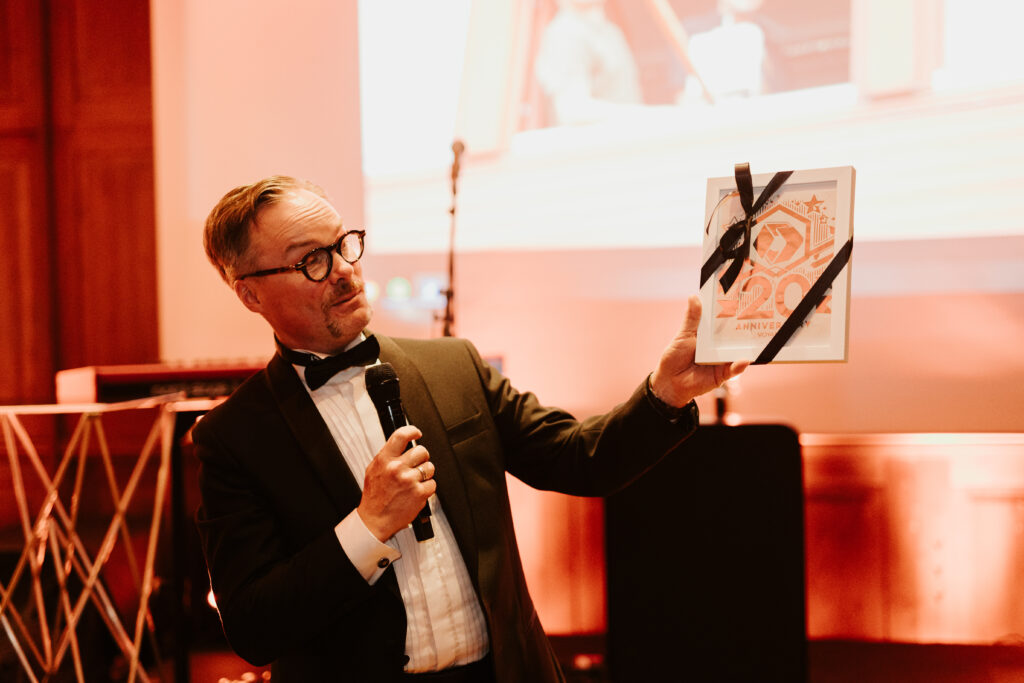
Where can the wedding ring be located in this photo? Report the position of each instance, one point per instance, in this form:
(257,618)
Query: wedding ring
(423,473)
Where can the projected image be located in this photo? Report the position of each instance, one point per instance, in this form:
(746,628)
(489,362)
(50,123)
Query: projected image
(587,122)
(598,59)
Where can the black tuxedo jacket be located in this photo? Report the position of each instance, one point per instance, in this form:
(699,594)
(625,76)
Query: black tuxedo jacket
(274,485)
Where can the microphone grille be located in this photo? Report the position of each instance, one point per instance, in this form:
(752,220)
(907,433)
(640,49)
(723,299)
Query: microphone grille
(382,382)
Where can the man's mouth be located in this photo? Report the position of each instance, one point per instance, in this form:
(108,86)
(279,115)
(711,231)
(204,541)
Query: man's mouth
(347,295)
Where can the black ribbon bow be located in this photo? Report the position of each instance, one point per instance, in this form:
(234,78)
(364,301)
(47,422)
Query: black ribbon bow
(319,370)
(730,246)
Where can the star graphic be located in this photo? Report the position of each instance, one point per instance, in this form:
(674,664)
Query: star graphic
(812,205)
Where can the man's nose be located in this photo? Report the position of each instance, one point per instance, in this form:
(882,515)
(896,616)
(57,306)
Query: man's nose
(340,269)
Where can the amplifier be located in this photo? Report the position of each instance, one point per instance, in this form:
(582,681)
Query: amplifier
(113,383)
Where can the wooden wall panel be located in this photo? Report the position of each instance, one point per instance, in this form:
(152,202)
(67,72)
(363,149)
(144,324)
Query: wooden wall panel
(26,361)
(915,537)
(77,197)
(21,78)
(26,314)
(846,582)
(998,563)
(924,558)
(107,249)
(101,63)
(27,350)
(103,169)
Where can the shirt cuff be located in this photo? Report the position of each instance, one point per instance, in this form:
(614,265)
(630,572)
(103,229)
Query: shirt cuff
(369,556)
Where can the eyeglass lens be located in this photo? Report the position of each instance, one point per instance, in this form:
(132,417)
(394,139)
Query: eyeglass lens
(318,264)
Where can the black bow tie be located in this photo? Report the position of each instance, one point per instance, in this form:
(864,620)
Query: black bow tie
(319,370)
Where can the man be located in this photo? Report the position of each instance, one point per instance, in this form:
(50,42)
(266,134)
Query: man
(305,508)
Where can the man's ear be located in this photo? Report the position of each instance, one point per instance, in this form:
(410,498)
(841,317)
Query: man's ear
(247,295)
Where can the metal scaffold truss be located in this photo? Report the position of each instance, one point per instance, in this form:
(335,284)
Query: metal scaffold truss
(44,632)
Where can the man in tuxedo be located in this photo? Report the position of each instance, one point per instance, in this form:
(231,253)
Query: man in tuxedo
(306,507)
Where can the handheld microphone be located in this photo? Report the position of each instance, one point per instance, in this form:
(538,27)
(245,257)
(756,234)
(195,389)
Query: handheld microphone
(382,385)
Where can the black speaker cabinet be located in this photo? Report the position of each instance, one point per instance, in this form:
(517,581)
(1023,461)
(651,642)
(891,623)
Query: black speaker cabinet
(706,562)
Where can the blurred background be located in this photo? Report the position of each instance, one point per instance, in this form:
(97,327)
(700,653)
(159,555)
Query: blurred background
(590,130)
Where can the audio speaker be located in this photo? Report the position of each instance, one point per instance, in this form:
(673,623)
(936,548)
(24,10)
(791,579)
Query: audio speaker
(705,560)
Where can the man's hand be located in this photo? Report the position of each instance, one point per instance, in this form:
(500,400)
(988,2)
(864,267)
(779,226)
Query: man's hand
(397,484)
(677,379)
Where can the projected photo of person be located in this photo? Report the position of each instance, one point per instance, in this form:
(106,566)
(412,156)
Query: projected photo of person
(730,56)
(584,64)
(600,60)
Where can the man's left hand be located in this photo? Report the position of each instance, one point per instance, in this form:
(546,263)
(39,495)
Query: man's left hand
(677,379)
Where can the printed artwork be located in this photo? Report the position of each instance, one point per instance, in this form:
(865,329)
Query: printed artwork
(795,236)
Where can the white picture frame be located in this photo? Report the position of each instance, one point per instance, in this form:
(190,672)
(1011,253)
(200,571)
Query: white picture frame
(796,236)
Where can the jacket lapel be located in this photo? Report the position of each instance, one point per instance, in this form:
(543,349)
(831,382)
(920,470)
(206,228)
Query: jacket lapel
(318,445)
(421,411)
(314,438)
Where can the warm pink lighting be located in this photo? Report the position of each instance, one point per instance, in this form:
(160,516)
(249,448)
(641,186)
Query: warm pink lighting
(909,537)
(915,537)
(561,541)
(921,539)
(586,662)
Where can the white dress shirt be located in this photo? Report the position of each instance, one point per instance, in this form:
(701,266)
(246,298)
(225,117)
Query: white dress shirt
(445,624)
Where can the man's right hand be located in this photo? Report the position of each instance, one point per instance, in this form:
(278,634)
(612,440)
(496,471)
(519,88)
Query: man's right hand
(397,484)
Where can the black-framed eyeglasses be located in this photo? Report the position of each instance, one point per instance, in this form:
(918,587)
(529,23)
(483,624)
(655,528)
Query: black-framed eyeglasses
(316,265)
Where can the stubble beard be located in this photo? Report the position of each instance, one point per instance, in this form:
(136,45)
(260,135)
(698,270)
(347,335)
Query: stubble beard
(336,327)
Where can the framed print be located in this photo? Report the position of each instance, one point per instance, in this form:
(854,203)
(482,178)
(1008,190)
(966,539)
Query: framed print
(775,284)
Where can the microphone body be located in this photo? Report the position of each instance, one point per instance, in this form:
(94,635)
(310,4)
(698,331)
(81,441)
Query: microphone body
(382,385)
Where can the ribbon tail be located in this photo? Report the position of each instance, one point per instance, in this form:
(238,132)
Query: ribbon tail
(724,251)
(731,273)
(711,265)
(810,301)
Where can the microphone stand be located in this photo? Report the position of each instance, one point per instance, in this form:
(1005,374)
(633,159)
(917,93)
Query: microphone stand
(449,294)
